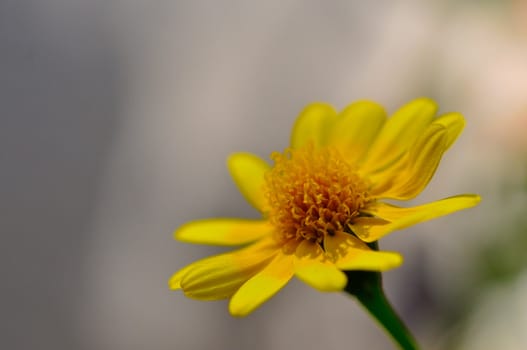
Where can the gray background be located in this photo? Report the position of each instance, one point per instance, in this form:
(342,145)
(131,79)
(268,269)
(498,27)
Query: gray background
(117,117)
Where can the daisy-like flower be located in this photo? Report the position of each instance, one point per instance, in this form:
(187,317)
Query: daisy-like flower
(322,201)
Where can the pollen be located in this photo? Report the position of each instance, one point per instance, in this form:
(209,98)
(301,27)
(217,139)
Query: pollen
(312,193)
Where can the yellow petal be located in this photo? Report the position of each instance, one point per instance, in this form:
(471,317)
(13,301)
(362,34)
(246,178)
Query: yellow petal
(371,261)
(349,253)
(174,282)
(417,168)
(399,133)
(219,277)
(454,124)
(313,268)
(313,125)
(356,128)
(262,286)
(408,176)
(247,171)
(223,231)
(400,218)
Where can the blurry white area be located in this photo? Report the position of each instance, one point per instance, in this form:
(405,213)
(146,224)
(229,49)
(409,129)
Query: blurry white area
(202,79)
(483,73)
(499,318)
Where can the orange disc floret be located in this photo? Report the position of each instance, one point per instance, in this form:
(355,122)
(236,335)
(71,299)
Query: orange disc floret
(312,193)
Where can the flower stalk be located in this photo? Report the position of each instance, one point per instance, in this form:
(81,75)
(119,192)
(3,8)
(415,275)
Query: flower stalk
(366,286)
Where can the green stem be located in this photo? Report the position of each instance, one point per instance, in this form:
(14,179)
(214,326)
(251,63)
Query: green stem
(366,286)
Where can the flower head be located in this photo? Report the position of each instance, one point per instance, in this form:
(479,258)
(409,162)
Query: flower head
(322,202)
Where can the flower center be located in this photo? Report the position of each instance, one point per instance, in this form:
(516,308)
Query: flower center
(312,193)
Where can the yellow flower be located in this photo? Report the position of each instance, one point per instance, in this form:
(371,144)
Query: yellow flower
(322,201)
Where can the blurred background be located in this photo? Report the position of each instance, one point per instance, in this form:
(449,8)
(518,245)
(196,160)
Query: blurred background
(116,120)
